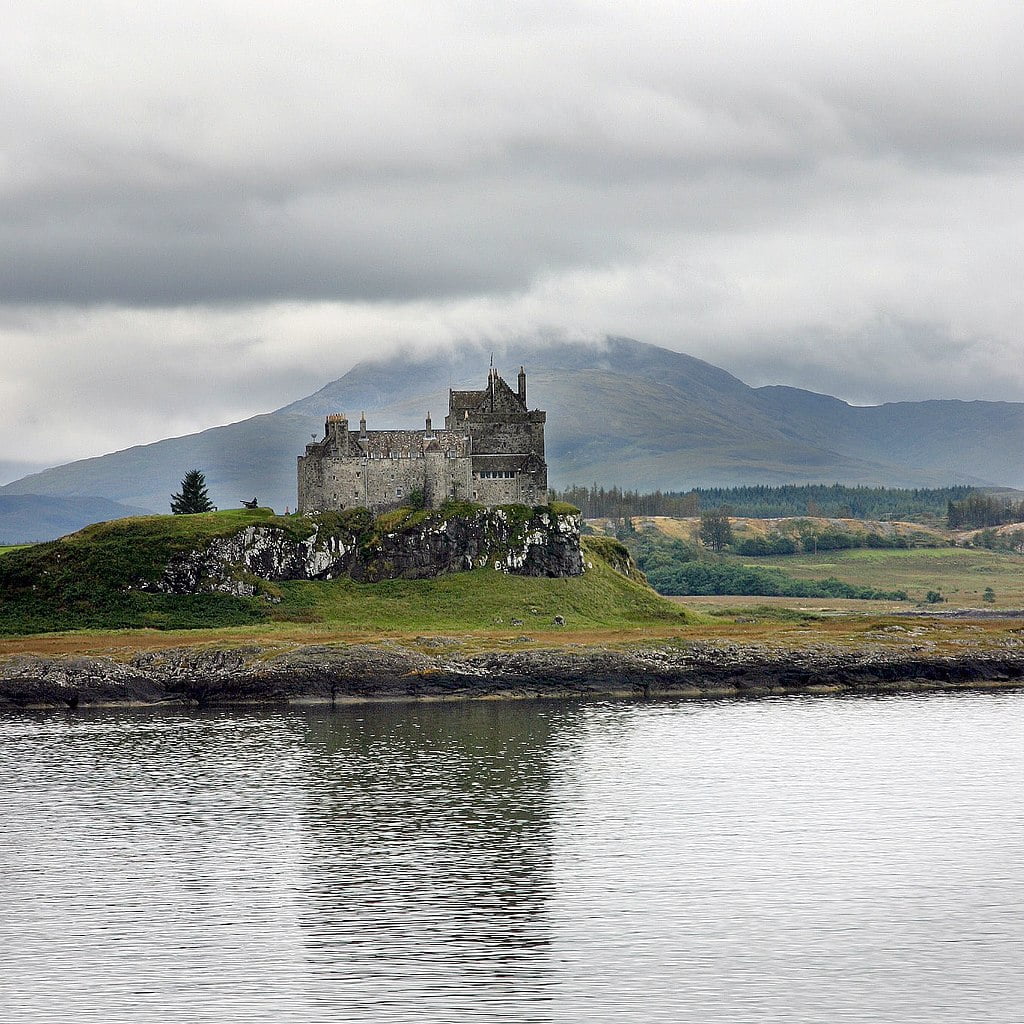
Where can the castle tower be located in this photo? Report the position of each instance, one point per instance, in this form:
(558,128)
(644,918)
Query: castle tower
(490,451)
(336,429)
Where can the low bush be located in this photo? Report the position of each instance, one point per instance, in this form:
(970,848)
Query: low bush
(725,578)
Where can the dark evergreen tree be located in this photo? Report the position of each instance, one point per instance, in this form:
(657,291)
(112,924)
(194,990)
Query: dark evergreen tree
(193,497)
(763,502)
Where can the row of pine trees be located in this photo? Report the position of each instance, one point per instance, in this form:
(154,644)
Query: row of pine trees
(766,502)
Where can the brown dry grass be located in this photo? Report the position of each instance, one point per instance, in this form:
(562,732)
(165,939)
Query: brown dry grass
(859,631)
(744,527)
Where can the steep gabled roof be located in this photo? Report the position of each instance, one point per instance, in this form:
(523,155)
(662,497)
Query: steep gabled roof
(459,400)
(497,396)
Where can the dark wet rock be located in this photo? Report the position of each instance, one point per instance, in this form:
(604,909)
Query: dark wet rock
(337,672)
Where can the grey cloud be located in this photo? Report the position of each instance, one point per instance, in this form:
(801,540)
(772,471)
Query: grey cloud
(888,360)
(470,159)
(391,242)
(207,210)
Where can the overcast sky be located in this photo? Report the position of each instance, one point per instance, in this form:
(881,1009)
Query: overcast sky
(210,209)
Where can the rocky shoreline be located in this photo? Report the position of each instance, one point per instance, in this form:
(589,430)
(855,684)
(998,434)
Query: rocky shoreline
(435,669)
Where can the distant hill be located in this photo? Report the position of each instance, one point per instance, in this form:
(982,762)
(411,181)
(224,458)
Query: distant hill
(622,413)
(25,518)
(11,469)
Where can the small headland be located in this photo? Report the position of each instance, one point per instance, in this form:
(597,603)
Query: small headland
(245,606)
(250,567)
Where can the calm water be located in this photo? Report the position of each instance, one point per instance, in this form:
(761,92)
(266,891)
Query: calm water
(815,860)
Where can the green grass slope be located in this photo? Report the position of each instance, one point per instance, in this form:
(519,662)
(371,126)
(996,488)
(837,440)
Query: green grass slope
(86,581)
(668,551)
(483,599)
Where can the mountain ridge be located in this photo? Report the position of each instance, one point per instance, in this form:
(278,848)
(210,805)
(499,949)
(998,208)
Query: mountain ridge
(621,412)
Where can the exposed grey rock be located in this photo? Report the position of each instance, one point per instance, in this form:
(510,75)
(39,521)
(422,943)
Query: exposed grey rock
(541,544)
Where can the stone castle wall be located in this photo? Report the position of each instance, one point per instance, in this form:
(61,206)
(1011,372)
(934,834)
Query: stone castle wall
(379,483)
(491,451)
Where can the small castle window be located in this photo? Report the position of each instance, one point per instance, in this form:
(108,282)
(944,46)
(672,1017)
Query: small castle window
(398,492)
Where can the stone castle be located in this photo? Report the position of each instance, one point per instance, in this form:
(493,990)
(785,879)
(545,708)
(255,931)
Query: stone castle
(491,451)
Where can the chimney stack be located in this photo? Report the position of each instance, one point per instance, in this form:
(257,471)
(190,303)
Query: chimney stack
(522,384)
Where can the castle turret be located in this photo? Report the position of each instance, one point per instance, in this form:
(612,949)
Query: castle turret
(362,424)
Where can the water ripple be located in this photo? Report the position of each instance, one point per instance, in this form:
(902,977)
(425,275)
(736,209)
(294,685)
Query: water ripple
(785,860)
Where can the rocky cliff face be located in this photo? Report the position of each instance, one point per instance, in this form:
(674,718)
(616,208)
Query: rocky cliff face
(512,539)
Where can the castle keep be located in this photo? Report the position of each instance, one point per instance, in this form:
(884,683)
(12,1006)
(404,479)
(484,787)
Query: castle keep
(491,451)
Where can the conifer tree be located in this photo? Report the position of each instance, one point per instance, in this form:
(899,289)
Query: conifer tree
(193,497)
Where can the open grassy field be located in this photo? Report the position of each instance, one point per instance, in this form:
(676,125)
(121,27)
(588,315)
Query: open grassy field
(485,609)
(959,574)
(767,623)
(741,606)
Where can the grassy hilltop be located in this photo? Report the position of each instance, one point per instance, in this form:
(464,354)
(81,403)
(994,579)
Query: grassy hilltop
(89,581)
